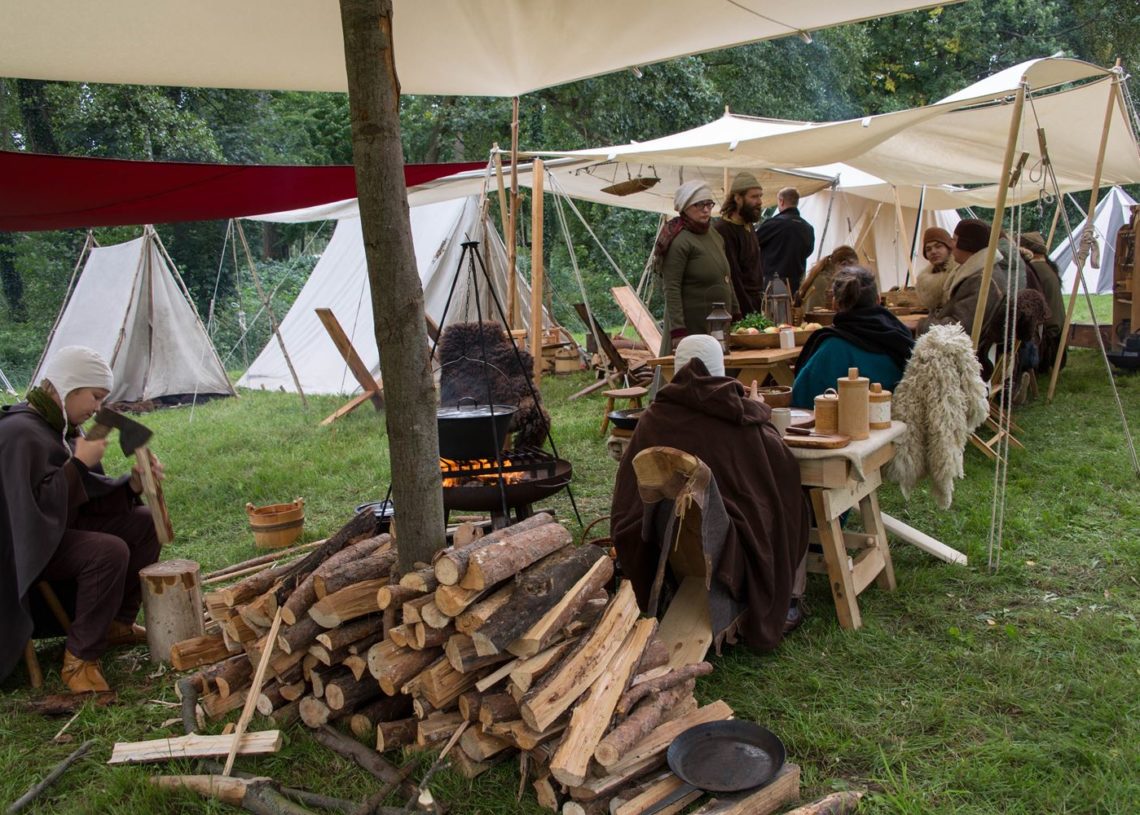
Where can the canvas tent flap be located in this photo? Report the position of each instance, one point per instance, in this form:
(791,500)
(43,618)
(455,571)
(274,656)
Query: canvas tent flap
(340,282)
(1112,212)
(128,306)
(464,47)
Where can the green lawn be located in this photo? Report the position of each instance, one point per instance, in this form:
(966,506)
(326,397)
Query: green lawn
(965,692)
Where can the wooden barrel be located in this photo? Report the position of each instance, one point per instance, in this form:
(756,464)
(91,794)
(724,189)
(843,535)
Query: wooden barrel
(276,525)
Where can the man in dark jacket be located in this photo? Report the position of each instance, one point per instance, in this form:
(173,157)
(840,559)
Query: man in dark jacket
(738,213)
(786,241)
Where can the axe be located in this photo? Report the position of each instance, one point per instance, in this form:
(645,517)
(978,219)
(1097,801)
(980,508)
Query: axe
(133,438)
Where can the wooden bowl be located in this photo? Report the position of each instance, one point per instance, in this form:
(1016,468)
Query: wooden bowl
(757,341)
(777,396)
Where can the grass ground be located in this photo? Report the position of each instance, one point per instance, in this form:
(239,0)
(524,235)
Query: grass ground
(965,692)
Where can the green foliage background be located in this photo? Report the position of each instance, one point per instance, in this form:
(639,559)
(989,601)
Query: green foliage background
(872,67)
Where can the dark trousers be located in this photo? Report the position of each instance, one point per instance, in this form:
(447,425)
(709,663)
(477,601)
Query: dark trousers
(103,555)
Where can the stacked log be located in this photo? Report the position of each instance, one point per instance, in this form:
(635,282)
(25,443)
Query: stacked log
(507,643)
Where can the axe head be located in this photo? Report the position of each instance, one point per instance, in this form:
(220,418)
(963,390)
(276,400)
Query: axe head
(132,435)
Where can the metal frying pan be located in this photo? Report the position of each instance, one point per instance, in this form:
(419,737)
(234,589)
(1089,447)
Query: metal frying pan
(727,756)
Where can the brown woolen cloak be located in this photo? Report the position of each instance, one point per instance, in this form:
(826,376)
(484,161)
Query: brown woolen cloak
(759,482)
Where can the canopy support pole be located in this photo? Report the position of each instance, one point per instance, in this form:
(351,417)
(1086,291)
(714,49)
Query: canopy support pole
(269,310)
(999,213)
(536,270)
(512,226)
(1053,226)
(916,236)
(88,244)
(902,232)
(1078,255)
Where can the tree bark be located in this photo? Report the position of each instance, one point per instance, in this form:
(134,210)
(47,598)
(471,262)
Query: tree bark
(397,298)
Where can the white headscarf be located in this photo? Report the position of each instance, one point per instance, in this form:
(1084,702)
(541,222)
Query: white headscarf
(77,366)
(702,347)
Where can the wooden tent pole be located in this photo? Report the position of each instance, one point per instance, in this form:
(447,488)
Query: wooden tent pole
(88,245)
(1053,226)
(536,269)
(269,310)
(512,226)
(504,216)
(902,231)
(1089,220)
(999,213)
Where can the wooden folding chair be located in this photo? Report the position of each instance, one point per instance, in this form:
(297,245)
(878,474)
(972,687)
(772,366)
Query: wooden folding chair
(999,422)
(620,366)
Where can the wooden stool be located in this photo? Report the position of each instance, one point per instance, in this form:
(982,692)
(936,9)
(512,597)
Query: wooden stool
(633,394)
(36,675)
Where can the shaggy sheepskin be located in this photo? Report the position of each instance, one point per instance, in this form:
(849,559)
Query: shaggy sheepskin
(942,398)
(464,373)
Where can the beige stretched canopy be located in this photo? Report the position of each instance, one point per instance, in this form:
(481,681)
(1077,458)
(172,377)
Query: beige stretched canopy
(467,47)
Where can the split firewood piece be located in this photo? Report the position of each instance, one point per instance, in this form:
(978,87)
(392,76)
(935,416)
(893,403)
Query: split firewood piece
(376,564)
(215,706)
(656,794)
(259,611)
(432,615)
(304,594)
(314,712)
(246,590)
(410,610)
(639,690)
(293,691)
(527,738)
(194,746)
(655,656)
(394,734)
(421,580)
(363,526)
(537,591)
(546,794)
(382,709)
(321,675)
(393,595)
(230,676)
(345,693)
(329,658)
(838,803)
(466,533)
(300,635)
(197,651)
(462,655)
(348,603)
(469,768)
(356,663)
(475,616)
(270,698)
(496,676)
(392,666)
(560,688)
(549,626)
(441,684)
(281,664)
(592,714)
(480,746)
(286,715)
(781,790)
(619,741)
(424,636)
(528,670)
(238,629)
(451,564)
(452,600)
(437,727)
(400,634)
(497,561)
(663,735)
(599,806)
(468,703)
(497,707)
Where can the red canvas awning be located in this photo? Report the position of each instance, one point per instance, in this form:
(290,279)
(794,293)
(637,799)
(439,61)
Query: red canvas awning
(39,192)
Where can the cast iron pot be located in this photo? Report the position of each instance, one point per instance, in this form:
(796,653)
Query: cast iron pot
(470,430)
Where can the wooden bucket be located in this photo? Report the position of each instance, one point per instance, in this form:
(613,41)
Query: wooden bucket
(277,525)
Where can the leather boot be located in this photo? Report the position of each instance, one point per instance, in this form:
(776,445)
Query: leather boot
(121,633)
(82,676)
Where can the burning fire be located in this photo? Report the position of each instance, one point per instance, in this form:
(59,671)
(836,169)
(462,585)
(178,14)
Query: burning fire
(476,472)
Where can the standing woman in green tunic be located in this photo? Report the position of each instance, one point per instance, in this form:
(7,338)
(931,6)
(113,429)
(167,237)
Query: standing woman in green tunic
(693,266)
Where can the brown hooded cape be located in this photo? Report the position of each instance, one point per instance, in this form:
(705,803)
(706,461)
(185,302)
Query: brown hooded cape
(759,483)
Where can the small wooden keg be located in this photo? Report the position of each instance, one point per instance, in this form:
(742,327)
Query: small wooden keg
(854,405)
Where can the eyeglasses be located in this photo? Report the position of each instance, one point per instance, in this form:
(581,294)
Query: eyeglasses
(704,204)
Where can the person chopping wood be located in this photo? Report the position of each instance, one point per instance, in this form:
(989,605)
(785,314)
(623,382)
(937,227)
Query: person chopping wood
(760,570)
(64,521)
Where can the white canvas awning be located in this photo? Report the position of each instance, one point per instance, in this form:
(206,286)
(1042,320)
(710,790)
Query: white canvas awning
(467,47)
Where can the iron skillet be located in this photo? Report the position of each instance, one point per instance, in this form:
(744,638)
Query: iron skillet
(727,756)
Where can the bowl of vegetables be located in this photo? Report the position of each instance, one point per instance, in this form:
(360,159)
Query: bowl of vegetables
(757,331)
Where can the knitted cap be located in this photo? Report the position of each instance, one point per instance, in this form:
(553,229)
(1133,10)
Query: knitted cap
(690,193)
(744,182)
(76,366)
(702,347)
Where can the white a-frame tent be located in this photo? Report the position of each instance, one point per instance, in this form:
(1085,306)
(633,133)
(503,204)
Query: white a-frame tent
(1112,212)
(340,283)
(131,306)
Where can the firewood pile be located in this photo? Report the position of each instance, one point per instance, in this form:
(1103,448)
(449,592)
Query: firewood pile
(509,645)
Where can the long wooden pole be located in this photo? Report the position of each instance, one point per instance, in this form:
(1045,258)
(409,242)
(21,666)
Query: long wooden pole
(1079,256)
(536,269)
(1053,226)
(902,232)
(512,227)
(999,214)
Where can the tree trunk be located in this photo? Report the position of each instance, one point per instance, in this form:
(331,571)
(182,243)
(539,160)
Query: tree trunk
(397,298)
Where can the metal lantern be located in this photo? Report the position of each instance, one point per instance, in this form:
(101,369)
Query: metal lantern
(717,323)
(777,303)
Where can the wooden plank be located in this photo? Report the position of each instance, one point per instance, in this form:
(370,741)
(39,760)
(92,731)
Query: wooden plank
(914,537)
(638,316)
(352,359)
(686,628)
(783,789)
(194,746)
(255,689)
(349,406)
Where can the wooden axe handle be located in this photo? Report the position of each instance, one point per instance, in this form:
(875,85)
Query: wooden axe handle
(154,498)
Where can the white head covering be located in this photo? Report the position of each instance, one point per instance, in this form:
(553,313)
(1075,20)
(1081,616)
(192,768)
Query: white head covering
(690,193)
(702,347)
(76,366)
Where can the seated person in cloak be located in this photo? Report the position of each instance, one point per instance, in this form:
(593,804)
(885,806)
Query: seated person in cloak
(863,335)
(64,521)
(757,567)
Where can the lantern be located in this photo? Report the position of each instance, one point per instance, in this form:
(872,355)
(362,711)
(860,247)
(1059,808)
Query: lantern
(717,323)
(777,303)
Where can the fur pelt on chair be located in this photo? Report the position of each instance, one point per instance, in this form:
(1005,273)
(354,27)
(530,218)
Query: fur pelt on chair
(463,372)
(942,398)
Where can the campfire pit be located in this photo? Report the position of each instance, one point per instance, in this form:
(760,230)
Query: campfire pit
(527,476)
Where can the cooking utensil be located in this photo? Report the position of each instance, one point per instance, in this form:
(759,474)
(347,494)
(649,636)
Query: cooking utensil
(470,430)
(727,756)
(626,419)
